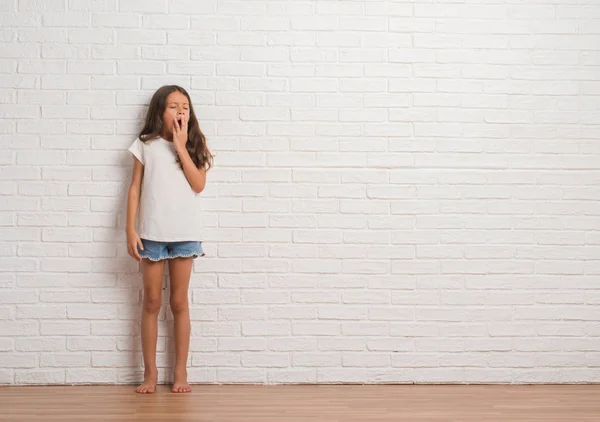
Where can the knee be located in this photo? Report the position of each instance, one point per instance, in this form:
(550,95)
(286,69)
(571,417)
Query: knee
(152,303)
(179,304)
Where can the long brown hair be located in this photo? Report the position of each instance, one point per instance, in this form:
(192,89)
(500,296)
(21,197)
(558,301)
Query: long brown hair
(153,127)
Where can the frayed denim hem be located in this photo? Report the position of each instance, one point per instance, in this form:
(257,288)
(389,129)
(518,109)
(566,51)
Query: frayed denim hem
(162,258)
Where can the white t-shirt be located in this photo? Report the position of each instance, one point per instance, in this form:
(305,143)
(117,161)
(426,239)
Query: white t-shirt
(170,211)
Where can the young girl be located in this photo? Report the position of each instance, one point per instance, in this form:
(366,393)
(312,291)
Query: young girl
(171,161)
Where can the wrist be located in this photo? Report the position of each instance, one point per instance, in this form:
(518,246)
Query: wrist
(181,152)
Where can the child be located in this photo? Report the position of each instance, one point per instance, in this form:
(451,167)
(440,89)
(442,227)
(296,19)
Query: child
(171,161)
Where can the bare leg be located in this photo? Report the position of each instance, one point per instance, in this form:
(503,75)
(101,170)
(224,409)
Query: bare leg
(180,270)
(153,275)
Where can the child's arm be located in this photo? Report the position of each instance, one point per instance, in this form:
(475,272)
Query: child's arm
(195,176)
(133,200)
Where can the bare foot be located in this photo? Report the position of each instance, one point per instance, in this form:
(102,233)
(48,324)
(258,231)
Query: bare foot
(149,384)
(180,384)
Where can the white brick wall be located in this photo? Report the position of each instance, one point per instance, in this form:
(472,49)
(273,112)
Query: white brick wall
(404,191)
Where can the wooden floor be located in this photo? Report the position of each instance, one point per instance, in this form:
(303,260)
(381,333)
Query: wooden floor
(314,403)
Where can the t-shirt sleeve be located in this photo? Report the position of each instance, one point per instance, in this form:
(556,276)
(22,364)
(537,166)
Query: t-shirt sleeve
(137,149)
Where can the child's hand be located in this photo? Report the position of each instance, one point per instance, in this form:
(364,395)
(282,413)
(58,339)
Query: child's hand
(180,132)
(133,241)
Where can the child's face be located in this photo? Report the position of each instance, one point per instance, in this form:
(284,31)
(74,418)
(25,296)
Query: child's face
(177,107)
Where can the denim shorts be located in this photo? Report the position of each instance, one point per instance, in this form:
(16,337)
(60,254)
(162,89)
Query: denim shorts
(157,251)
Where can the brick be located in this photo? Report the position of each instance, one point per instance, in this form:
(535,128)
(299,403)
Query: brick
(367,154)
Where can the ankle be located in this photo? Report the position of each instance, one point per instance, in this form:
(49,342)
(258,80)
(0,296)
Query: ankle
(150,372)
